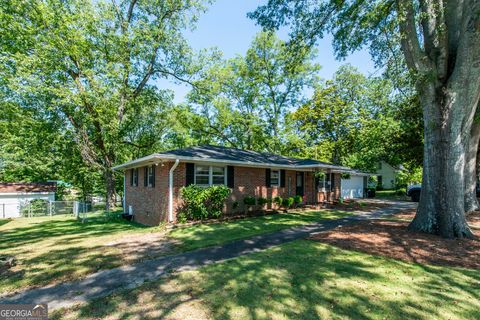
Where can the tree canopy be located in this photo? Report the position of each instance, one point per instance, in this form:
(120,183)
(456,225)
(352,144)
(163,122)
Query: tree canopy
(94,65)
(439,43)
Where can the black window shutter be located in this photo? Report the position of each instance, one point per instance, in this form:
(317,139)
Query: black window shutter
(131,177)
(230,177)
(145,177)
(190,174)
(267,176)
(282,178)
(332,182)
(317,183)
(153,179)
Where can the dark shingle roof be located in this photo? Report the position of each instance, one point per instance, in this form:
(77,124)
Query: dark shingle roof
(208,152)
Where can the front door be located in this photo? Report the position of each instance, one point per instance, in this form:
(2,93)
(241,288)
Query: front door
(300,182)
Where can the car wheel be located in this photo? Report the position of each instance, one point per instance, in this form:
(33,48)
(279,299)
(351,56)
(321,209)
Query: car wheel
(415,196)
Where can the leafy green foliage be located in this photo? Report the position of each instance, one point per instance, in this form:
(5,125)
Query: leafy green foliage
(261,201)
(242,102)
(278,200)
(235,205)
(201,203)
(357,121)
(249,201)
(288,202)
(92,64)
(297,200)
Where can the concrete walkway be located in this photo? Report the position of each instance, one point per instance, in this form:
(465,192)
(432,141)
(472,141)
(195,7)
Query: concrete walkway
(105,282)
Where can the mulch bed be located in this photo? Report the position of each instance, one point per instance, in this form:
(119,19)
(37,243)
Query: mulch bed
(365,205)
(392,239)
(473,218)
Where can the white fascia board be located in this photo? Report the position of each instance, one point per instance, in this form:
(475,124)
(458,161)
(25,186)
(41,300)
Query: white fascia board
(25,193)
(353,172)
(138,162)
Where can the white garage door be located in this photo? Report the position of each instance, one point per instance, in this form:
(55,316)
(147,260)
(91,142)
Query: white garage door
(352,188)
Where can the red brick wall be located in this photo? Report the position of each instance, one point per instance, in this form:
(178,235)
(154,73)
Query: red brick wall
(150,205)
(331,195)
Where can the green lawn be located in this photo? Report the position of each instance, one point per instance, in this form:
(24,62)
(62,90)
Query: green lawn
(60,248)
(299,280)
(391,195)
(212,234)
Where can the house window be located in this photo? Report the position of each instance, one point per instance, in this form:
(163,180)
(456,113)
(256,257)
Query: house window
(202,175)
(151,176)
(135,177)
(218,175)
(328,183)
(209,175)
(322,183)
(275,178)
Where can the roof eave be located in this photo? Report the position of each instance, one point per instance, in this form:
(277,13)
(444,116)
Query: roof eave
(157,158)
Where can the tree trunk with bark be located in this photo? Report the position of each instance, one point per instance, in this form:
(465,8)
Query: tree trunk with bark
(110,185)
(471,201)
(442,208)
(442,49)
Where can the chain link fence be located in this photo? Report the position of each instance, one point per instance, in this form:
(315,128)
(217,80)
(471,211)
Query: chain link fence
(41,208)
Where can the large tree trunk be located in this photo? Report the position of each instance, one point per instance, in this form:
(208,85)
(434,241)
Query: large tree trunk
(447,69)
(442,208)
(110,185)
(471,201)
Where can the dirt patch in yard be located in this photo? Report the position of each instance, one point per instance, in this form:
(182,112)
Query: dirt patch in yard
(140,247)
(392,239)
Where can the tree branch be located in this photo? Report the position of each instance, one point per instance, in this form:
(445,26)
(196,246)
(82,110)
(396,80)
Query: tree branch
(435,35)
(414,56)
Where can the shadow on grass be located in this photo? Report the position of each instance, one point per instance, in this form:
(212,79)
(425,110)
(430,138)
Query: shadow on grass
(203,235)
(300,280)
(4,221)
(59,265)
(75,262)
(58,227)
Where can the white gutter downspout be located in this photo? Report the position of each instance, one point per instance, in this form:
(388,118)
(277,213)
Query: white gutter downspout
(170,190)
(124,191)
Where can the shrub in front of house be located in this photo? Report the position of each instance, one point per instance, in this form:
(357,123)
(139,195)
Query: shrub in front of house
(288,202)
(297,200)
(201,203)
(249,201)
(235,205)
(261,201)
(278,201)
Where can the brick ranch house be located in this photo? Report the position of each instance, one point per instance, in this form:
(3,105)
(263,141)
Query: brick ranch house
(152,184)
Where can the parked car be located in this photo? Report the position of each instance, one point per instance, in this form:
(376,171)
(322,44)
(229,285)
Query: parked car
(413,191)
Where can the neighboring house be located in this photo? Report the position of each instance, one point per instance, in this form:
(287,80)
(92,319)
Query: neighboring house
(387,175)
(152,183)
(13,196)
(353,185)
